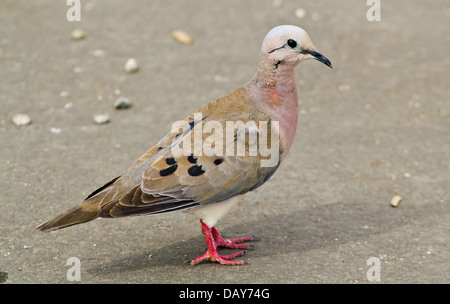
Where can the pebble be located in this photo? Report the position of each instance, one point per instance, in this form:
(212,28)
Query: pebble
(21,119)
(55,130)
(78,70)
(182,37)
(219,78)
(344,88)
(99,53)
(77,34)
(101,119)
(131,66)
(395,200)
(122,103)
(300,13)
(277,3)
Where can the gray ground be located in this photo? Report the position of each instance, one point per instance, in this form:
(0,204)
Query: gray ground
(375,126)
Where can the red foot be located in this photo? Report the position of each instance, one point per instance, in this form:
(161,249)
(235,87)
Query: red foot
(230,243)
(214,239)
(222,259)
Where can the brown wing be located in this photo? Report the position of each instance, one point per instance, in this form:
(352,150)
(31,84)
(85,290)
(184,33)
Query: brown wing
(172,182)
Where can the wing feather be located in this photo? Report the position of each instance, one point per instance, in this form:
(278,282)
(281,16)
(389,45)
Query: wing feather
(162,181)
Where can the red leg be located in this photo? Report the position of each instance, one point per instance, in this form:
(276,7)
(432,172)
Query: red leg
(210,234)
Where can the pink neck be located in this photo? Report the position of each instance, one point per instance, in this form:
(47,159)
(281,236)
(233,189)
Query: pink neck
(275,92)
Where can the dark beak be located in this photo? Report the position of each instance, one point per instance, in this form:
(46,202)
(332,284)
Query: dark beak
(320,57)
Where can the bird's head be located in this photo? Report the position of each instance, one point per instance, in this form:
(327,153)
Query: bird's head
(289,44)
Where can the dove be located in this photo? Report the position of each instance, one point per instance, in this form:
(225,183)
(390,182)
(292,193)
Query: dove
(187,171)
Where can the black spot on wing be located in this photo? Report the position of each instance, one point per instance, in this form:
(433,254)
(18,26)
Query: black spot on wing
(168,171)
(192,124)
(192,159)
(196,170)
(171,161)
(218,161)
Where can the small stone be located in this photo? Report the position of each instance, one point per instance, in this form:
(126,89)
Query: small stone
(344,88)
(55,130)
(101,119)
(99,53)
(21,119)
(131,66)
(219,78)
(277,3)
(300,13)
(68,105)
(182,37)
(78,70)
(395,200)
(122,103)
(77,34)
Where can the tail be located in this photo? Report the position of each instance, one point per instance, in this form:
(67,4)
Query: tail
(87,211)
(82,213)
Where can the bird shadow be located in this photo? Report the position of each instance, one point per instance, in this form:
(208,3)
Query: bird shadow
(303,229)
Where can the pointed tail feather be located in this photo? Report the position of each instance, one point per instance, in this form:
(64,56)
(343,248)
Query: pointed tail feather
(87,211)
(82,213)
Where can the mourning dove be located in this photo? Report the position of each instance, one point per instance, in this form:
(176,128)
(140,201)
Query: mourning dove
(210,159)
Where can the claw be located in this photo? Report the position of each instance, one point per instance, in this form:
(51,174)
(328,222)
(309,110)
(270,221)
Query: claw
(231,243)
(222,259)
(214,239)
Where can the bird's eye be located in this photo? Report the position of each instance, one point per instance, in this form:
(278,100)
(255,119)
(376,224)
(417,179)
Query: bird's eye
(292,43)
